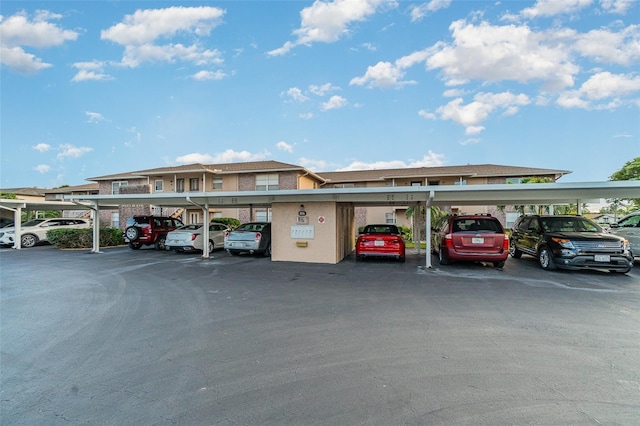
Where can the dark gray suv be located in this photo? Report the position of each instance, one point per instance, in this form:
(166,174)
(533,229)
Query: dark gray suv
(569,242)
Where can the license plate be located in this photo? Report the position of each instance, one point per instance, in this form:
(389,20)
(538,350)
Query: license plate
(378,243)
(602,258)
(476,240)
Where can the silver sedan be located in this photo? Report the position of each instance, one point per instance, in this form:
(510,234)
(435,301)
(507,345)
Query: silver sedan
(189,237)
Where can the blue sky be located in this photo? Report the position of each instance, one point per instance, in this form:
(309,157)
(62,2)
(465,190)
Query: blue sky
(91,88)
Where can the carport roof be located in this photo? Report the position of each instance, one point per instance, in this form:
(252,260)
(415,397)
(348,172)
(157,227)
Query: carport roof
(12,204)
(492,194)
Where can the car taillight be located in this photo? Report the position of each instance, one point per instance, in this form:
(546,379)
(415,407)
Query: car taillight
(193,237)
(505,243)
(448,241)
(258,236)
(226,235)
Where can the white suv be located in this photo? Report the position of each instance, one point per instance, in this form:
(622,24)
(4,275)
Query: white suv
(35,231)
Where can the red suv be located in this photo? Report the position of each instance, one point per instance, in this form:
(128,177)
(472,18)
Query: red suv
(148,230)
(476,238)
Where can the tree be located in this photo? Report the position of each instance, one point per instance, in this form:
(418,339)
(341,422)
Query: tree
(630,171)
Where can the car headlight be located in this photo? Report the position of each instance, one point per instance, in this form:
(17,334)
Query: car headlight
(10,232)
(563,242)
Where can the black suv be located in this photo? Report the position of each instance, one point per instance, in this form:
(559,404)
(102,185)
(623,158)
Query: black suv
(569,242)
(148,230)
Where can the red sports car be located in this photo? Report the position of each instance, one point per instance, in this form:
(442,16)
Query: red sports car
(380,241)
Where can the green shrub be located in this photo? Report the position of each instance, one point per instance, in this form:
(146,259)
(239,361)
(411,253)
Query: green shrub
(83,238)
(231,222)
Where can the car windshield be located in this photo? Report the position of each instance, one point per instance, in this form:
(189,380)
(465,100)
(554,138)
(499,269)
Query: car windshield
(381,229)
(569,224)
(253,227)
(34,222)
(477,225)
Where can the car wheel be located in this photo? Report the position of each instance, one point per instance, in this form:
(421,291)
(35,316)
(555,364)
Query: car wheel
(28,240)
(443,259)
(545,257)
(498,264)
(160,242)
(211,246)
(513,250)
(135,246)
(132,233)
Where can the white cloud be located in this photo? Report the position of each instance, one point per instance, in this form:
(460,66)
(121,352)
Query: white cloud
(323,89)
(603,90)
(602,45)
(420,11)
(496,53)
(386,74)
(431,159)
(195,158)
(616,6)
(146,26)
(90,71)
(473,114)
(313,165)
(283,146)
(94,117)
(228,156)
(70,151)
(17,31)
(296,94)
(138,33)
(209,75)
(327,22)
(469,141)
(42,168)
(42,147)
(546,8)
(334,102)
(306,115)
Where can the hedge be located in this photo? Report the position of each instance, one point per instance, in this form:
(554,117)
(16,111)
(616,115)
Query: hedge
(231,222)
(83,238)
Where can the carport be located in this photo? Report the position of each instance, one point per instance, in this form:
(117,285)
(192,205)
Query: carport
(297,213)
(17,206)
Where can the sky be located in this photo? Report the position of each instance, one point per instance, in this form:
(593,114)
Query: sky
(92,88)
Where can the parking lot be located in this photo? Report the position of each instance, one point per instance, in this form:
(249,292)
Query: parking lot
(147,337)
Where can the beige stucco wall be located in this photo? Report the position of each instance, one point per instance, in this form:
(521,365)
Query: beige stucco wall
(328,219)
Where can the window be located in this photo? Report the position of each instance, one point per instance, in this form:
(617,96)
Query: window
(389,218)
(115,186)
(217,183)
(416,183)
(433,182)
(511,218)
(159,186)
(267,182)
(194,217)
(115,220)
(263,215)
(194,184)
(460,182)
(514,180)
(180,185)
(343,185)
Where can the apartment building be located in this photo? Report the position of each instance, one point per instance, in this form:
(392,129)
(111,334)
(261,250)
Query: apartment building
(197,178)
(479,174)
(274,175)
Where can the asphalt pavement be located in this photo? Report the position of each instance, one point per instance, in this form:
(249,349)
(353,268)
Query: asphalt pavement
(157,338)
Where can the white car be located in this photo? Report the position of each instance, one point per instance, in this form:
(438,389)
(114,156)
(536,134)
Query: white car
(189,237)
(629,228)
(35,231)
